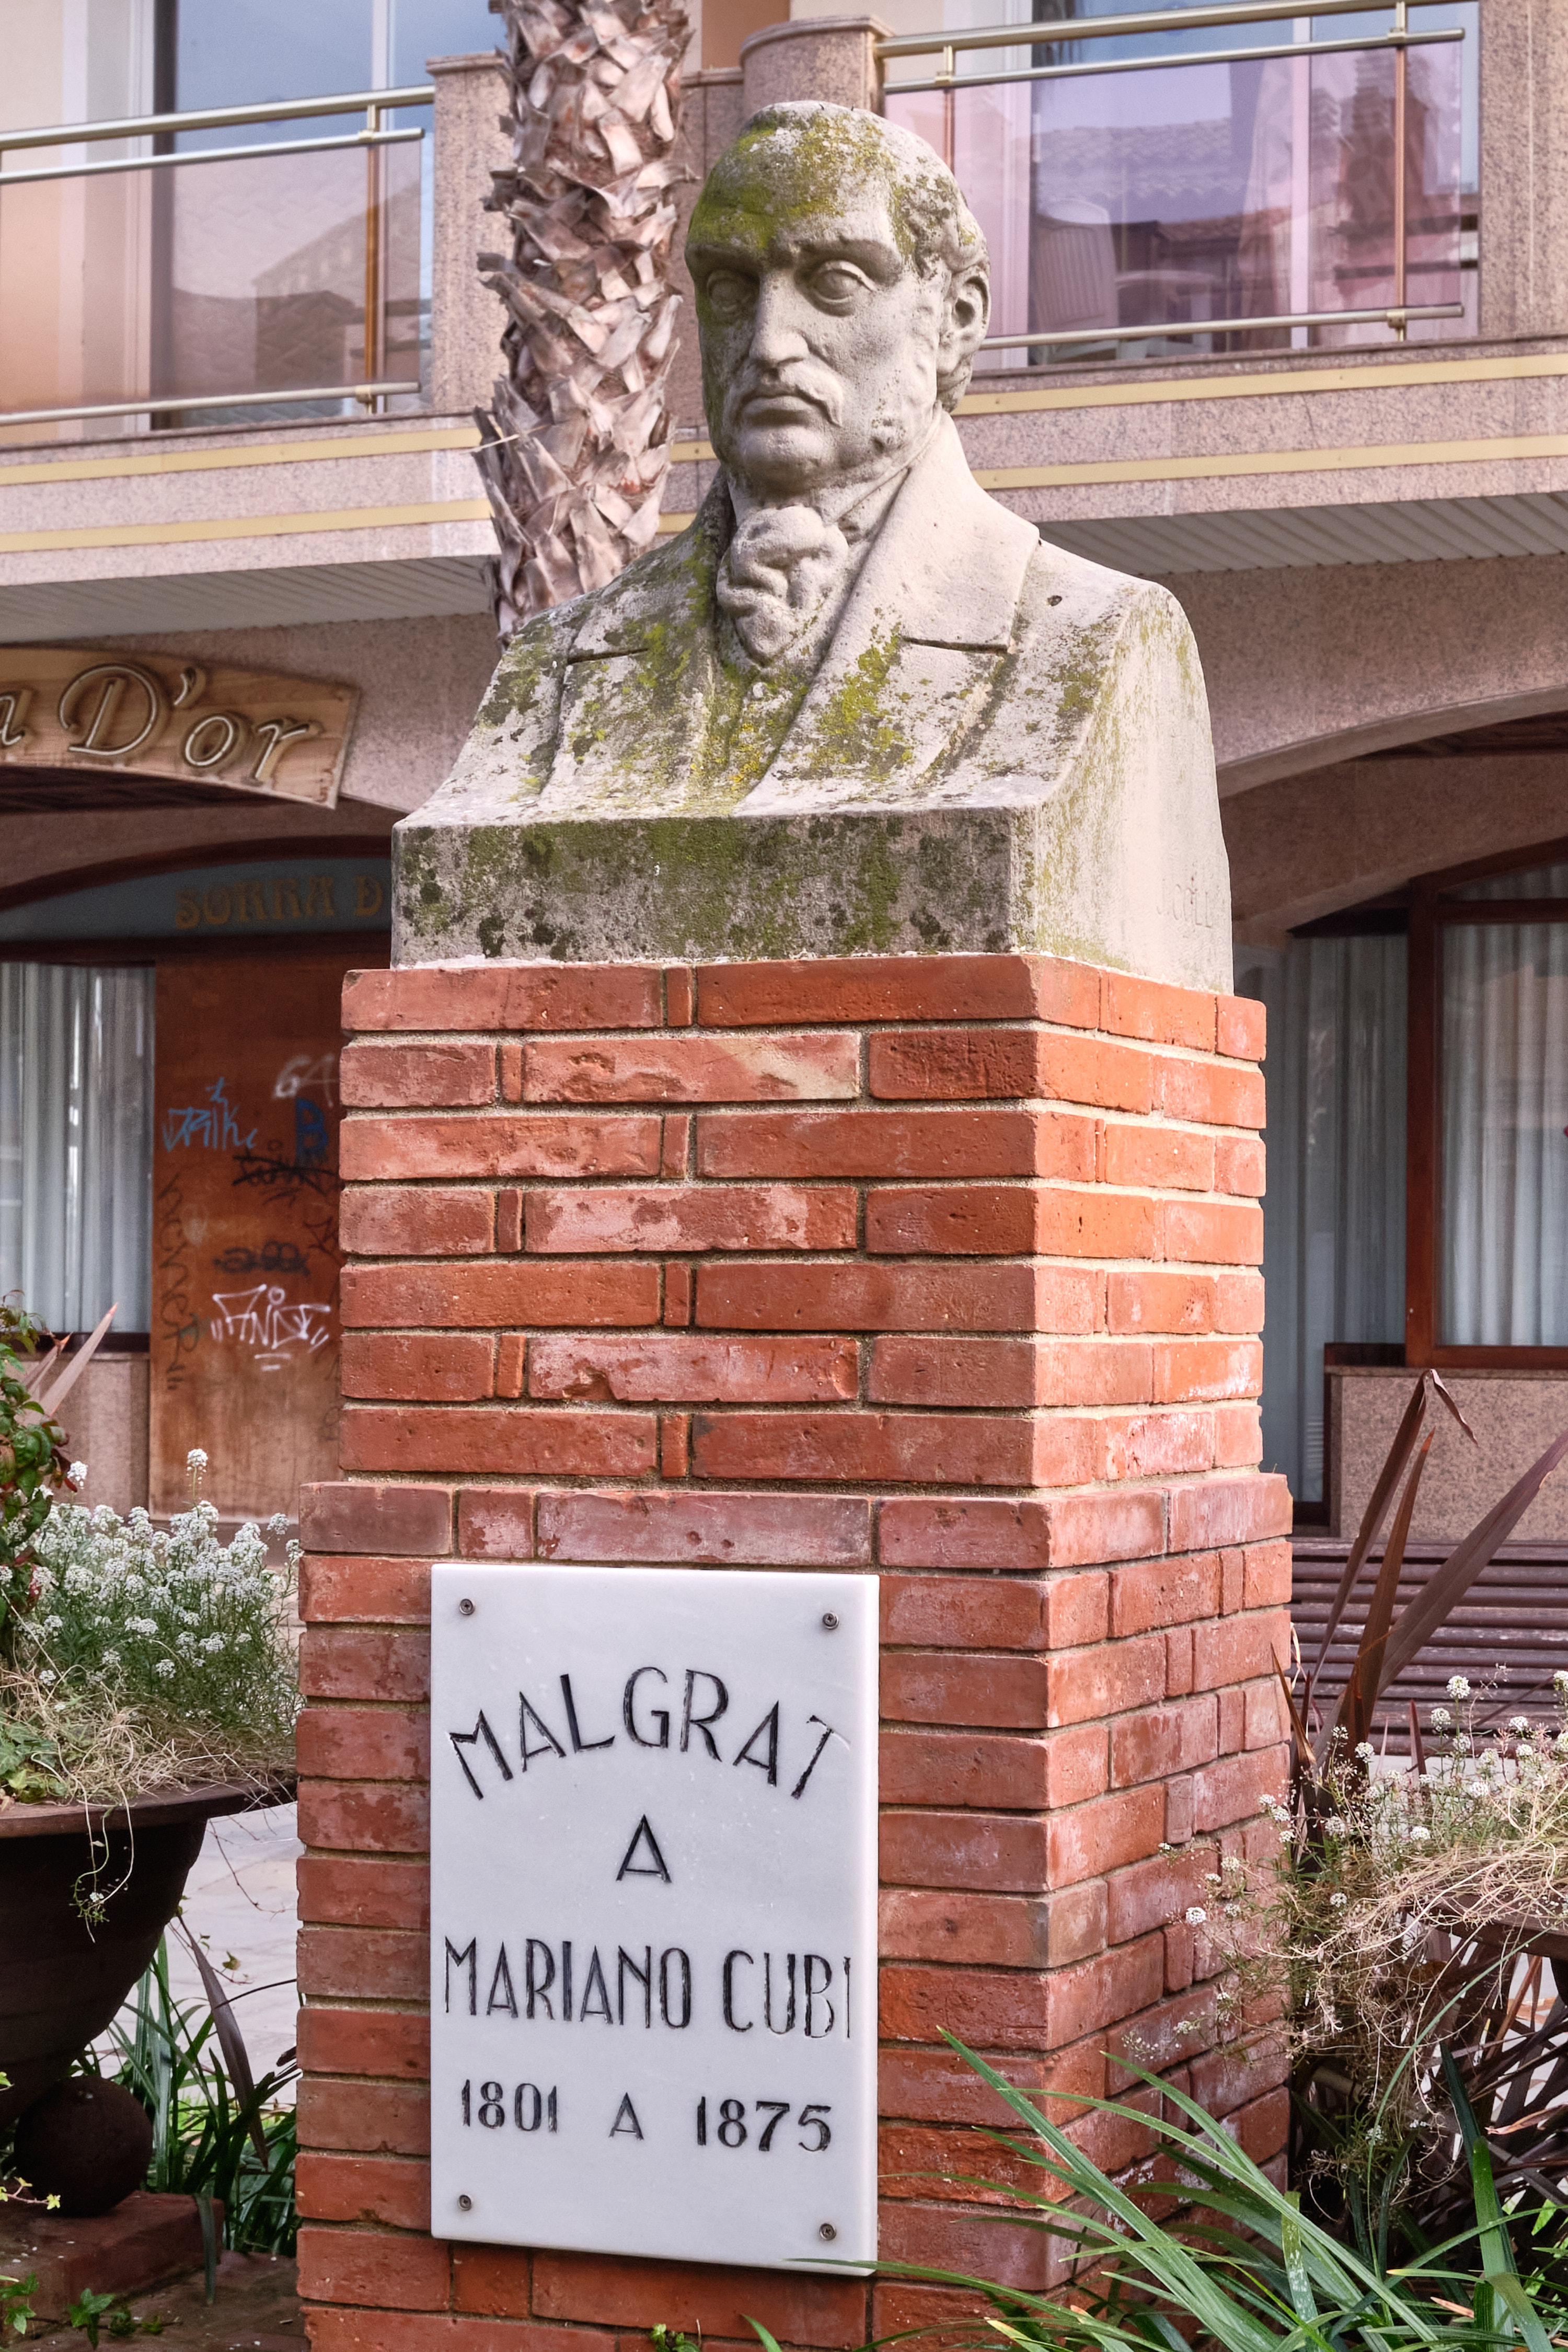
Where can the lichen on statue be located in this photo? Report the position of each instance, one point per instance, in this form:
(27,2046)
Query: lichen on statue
(870,674)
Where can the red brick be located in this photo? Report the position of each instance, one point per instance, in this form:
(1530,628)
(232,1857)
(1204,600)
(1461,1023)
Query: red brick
(1015,2255)
(365,1817)
(1263,2128)
(1230,1510)
(1238,1437)
(692,1370)
(364,1743)
(1074,1224)
(1004,1931)
(363,1964)
(933,1143)
(1087,1840)
(1241,1028)
(1153,1444)
(898,988)
(1267,1575)
(508,1219)
(1003,1852)
(383,2043)
(1078,1611)
(557,1443)
(511,1350)
(968,2168)
(1075,1765)
(675,1444)
(339,1590)
(675,1153)
(1155,1011)
(1093,1070)
(1238,1165)
(767,1530)
(957,1532)
(356,1662)
(859,1297)
(1166,1157)
(1154,1299)
(955,1065)
(1152,1893)
(1002,1220)
(413,1521)
(1178,1811)
(395,1222)
(1148,1745)
(680,996)
(1218,1233)
(373,1075)
(1088,1684)
(960,1612)
(678,1295)
(365,2266)
(345,1891)
(495,1523)
(1265,1715)
(693,1069)
(923,1448)
(1170,1591)
(936,2085)
(371,2118)
(693,1217)
(504,996)
(945,1370)
(347,2330)
(1121,1983)
(1233,1787)
(922,1687)
(702,2299)
(984,1770)
(389,2190)
(1210,1094)
(449,1371)
(1089,1528)
(470,1298)
(499,1144)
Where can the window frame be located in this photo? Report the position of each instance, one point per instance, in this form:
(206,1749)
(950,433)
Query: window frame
(1433,911)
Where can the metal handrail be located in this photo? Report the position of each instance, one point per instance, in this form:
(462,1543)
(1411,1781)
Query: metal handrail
(218,117)
(208,155)
(1396,317)
(1102,28)
(365,394)
(946,82)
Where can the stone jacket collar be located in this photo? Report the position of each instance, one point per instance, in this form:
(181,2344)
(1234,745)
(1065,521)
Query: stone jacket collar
(929,618)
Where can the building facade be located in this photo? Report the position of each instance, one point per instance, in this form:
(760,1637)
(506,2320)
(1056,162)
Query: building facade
(1237,347)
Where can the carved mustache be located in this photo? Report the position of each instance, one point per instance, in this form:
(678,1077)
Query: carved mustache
(799,381)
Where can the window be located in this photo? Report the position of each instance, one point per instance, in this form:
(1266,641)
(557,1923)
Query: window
(1489,1097)
(75,1142)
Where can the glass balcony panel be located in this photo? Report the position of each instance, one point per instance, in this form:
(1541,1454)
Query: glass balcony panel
(1248,189)
(192,282)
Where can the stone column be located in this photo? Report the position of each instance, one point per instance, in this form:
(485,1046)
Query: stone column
(940,1269)
(467,320)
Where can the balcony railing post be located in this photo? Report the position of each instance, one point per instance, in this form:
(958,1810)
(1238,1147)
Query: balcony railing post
(372,261)
(1401,96)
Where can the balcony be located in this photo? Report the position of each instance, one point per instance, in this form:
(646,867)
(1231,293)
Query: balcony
(1211,181)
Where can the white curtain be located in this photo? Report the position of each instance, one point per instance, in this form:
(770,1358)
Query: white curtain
(1504,1277)
(1334,1218)
(75,1142)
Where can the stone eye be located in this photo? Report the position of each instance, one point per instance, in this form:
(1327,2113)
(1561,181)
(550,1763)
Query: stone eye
(728,295)
(837,285)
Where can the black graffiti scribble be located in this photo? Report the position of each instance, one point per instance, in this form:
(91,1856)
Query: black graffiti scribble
(274,1174)
(272,1257)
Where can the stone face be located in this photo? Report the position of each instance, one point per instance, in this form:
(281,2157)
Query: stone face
(789,732)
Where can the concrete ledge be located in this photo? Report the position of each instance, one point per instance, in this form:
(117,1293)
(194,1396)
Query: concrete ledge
(142,2242)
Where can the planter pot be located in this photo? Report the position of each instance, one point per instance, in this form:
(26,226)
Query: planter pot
(61,1983)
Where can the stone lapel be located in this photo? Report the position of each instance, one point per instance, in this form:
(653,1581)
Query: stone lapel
(918,643)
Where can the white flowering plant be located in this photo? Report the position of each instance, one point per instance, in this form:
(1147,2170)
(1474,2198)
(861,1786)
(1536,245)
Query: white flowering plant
(149,1657)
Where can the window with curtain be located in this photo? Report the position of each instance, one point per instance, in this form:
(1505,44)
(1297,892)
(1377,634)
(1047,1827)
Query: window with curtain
(75,1142)
(1503,1025)
(1333,1217)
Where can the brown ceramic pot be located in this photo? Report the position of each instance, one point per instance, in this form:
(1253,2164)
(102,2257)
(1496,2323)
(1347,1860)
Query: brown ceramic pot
(61,1983)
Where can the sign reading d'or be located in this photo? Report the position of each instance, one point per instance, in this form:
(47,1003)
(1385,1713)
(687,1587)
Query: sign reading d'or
(653,1856)
(151,715)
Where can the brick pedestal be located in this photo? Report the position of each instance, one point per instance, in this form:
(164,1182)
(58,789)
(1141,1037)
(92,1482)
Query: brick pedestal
(939,1267)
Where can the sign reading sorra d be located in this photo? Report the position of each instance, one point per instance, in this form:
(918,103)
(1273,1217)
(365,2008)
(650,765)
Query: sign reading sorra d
(653,1911)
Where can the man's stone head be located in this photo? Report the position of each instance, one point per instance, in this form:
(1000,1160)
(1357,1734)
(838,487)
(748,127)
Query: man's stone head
(842,286)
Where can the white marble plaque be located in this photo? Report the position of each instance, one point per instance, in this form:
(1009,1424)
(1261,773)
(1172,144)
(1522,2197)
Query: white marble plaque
(653,1849)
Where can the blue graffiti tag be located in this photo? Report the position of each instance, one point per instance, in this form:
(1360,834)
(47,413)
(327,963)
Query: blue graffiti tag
(211,1126)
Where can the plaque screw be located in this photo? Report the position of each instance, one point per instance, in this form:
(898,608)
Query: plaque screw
(465,2204)
(827,2230)
(465,1608)
(830,1625)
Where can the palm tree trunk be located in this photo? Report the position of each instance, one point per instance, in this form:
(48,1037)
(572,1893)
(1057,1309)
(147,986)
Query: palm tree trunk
(575,449)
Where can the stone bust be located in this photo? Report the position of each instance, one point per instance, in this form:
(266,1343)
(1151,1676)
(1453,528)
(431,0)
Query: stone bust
(857,706)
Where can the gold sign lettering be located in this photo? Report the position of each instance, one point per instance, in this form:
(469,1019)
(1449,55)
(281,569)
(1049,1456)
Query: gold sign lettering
(286,898)
(241,730)
(112,678)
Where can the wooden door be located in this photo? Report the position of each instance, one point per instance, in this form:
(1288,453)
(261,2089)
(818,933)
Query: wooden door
(245,1330)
